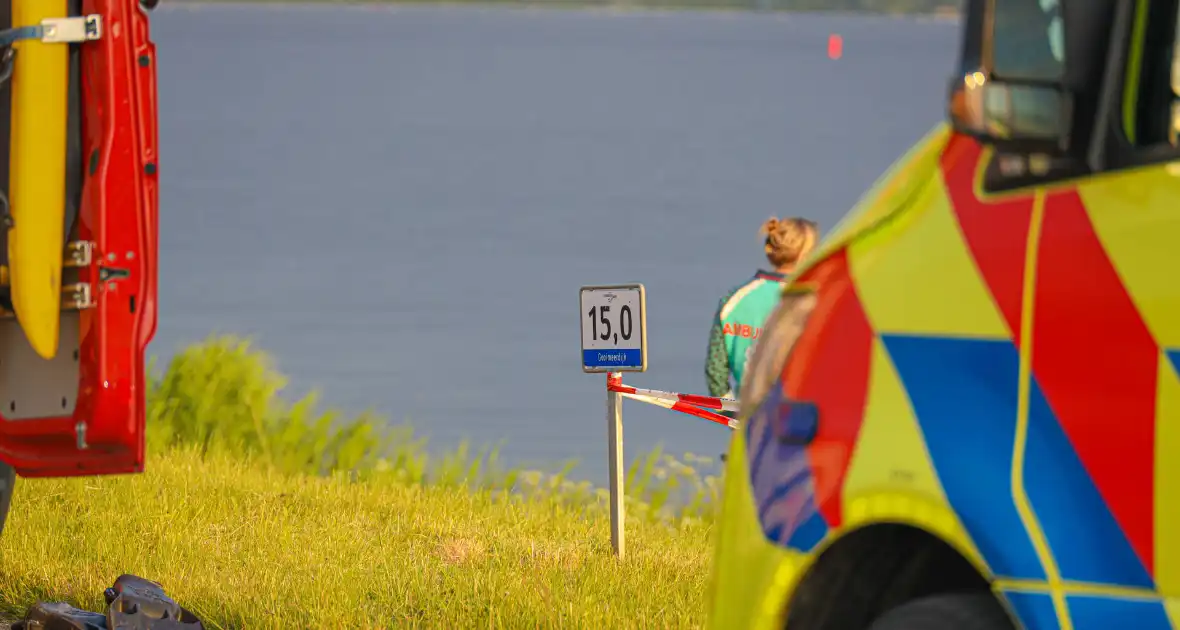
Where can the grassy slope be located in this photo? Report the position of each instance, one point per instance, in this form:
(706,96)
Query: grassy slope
(243,546)
(253,542)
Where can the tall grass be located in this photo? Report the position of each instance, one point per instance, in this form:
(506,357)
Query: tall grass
(243,545)
(224,396)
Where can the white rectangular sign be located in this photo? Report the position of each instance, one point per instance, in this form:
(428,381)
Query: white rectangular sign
(614,328)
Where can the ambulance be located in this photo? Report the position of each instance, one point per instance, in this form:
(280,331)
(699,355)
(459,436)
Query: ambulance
(965,412)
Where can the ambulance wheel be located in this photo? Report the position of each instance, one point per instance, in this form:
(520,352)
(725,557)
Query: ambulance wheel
(957,611)
(7,483)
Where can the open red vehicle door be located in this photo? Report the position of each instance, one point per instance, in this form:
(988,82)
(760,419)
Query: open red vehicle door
(78,140)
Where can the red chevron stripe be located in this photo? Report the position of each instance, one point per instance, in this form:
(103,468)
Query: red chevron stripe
(704,414)
(829,366)
(996,232)
(1096,362)
(708,402)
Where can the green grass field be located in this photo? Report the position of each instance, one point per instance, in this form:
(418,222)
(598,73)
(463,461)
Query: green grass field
(254,513)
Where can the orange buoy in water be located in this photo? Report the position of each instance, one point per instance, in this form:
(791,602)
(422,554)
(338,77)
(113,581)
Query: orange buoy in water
(835,46)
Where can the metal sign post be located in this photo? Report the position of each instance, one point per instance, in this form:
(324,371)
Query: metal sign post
(614,451)
(614,340)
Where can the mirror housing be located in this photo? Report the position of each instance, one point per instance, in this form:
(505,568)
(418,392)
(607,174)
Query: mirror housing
(1030,73)
(1019,116)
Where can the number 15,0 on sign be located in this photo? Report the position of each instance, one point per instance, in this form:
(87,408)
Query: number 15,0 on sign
(614,328)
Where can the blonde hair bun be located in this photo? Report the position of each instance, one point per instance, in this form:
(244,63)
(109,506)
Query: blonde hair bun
(788,240)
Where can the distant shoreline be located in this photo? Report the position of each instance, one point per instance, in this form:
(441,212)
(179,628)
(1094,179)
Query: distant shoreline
(752,6)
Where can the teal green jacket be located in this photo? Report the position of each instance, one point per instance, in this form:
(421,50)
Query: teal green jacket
(736,326)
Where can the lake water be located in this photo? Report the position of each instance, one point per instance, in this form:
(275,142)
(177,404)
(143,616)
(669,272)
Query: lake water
(400,203)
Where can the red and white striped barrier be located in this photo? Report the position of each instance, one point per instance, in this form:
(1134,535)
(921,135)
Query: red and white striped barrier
(704,407)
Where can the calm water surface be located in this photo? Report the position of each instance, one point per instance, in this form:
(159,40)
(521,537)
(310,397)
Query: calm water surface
(401,203)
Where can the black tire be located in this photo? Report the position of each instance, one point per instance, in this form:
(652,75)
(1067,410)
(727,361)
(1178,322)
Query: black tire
(7,483)
(957,611)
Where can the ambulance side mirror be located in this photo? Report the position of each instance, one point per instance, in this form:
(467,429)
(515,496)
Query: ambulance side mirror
(1029,71)
(1002,113)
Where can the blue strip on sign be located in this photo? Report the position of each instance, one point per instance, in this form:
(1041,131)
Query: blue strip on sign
(631,357)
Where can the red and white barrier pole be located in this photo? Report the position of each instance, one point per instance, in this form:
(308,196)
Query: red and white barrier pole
(705,407)
(691,404)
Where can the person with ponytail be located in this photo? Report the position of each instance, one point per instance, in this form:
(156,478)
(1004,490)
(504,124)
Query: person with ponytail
(737,324)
